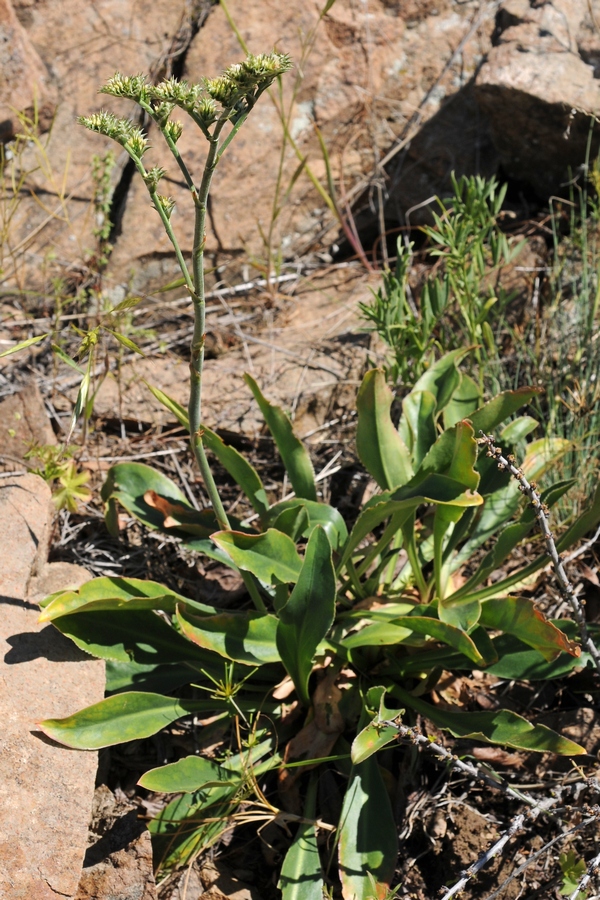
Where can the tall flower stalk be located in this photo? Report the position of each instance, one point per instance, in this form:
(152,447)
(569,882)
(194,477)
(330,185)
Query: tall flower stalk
(219,107)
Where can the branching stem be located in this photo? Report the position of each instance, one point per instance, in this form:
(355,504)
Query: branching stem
(541,511)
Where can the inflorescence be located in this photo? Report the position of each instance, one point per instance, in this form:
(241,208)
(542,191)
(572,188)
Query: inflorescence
(235,91)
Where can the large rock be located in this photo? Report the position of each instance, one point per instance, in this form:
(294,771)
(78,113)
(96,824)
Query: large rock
(539,89)
(25,85)
(81,43)
(45,790)
(118,861)
(309,360)
(402,92)
(23,423)
(374,75)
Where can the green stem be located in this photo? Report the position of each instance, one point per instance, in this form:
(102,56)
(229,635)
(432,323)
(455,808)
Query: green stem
(171,235)
(357,587)
(252,588)
(199,335)
(378,548)
(173,146)
(413,558)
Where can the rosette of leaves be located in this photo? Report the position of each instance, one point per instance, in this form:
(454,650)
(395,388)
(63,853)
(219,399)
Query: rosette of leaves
(340,618)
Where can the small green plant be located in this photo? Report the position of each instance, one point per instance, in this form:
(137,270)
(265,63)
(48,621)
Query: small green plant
(54,464)
(410,334)
(573,869)
(455,306)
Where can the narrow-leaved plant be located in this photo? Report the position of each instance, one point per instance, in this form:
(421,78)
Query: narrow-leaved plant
(219,108)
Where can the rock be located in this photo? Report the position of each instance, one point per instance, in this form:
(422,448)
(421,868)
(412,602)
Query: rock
(373,76)
(456,139)
(81,43)
(45,790)
(220,882)
(118,861)
(24,79)
(23,422)
(539,91)
(55,576)
(413,88)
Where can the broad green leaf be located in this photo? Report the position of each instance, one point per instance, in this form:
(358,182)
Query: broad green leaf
(498,410)
(301,877)
(518,430)
(517,660)
(292,521)
(462,615)
(153,499)
(443,378)
(122,717)
(307,616)
(380,448)
(454,454)
(247,637)
(192,773)
(465,400)
(271,555)
(380,634)
(440,631)
(542,454)
(371,739)
(368,842)
(519,616)
(173,406)
(244,474)
(417,426)
(293,452)
(318,514)
(131,676)
(22,345)
(433,489)
(376,734)
(138,635)
(498,727)
(115,593)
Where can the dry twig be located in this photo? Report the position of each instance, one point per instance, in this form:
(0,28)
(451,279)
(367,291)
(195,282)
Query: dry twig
(541,511)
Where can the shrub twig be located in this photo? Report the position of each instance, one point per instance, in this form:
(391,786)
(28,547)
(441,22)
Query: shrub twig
(541,511)
(547,806)
(585,878)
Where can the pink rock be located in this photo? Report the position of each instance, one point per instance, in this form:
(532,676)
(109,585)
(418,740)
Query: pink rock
(24,80)
(539,91)
(45,790)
